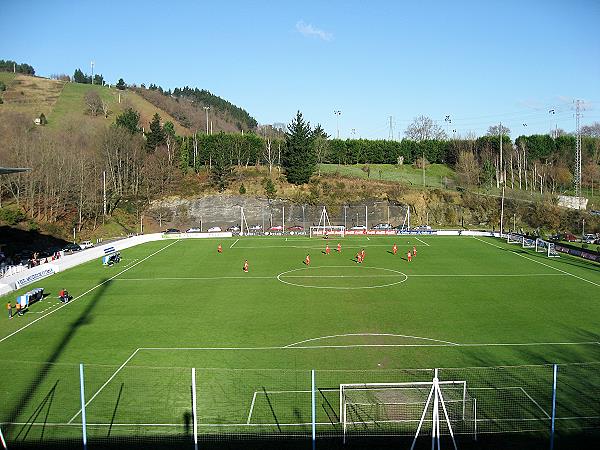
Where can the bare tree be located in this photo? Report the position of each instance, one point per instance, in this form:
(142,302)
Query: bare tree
(93,102)
(592,130)
(105,109)
(494,130)
(424,128)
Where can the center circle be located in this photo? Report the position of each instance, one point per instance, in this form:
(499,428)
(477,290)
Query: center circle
(342,277)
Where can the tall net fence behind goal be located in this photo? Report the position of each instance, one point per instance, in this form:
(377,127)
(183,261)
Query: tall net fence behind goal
(402,408)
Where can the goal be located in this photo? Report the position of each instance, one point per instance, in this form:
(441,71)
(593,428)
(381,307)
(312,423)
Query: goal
(528,242)
(327,230)
(546,247)
(399,408)
(513,238)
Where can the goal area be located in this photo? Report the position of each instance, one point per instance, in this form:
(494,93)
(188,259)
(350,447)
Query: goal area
(400,408)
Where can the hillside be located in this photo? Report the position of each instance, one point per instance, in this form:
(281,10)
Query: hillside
(62,102)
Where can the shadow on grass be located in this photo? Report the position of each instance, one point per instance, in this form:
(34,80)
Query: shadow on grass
(30,391)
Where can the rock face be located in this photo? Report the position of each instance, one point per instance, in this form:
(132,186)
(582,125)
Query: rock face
(224,211)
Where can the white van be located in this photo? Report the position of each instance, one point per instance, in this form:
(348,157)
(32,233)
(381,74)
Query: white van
(86,244)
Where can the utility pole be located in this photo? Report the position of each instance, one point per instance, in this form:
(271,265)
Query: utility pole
(92,64)
(578,154)
(337,112)
(206,108)
(423,167)
(501,170)
(391,135)
(553,133)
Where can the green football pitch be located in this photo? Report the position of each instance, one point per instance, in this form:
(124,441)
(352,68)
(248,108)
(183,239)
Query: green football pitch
(492,316)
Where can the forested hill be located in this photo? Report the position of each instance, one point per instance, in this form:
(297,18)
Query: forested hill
(187,106)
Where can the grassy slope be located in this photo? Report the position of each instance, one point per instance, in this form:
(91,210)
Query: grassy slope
(434,173)
(139,309)
(29,95)
(71,104)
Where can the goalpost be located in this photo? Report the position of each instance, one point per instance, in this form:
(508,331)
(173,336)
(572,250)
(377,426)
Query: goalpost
(528,242)
(513,238)
(324,228)
(542,246)
(402,407)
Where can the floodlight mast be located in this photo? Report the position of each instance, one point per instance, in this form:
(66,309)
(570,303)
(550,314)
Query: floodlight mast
(337,112)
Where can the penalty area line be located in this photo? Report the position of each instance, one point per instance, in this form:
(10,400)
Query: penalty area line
(422,241)
(236,241)
(105,384)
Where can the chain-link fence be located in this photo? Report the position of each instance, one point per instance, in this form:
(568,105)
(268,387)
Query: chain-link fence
(44,403)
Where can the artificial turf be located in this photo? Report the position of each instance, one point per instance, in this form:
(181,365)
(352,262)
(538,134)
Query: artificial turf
(140,326)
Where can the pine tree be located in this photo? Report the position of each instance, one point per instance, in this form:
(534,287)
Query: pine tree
(298,158)
(156,135)
(130,120)
(121,84)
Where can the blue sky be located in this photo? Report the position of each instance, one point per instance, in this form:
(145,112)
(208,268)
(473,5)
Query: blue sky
(480,62)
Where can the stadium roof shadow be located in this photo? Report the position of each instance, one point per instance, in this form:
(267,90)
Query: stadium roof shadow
(31,389)
(588,439)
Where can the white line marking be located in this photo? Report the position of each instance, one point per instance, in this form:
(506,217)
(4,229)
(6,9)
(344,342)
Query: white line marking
(422,241)
(368,239)
(536,403)
(105,384)
(369,334)
(236,241)
(196,278)
(251,409)
(85,293)
(538,262)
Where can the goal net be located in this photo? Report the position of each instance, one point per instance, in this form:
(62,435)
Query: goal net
(327,230)
(399,407)
(546,247)
(528,242)
(512,238)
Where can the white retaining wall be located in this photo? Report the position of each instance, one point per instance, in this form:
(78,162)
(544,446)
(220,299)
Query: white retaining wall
(28,276)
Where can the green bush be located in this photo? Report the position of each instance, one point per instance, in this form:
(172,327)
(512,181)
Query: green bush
(242,189)
(11,216)
(32,226)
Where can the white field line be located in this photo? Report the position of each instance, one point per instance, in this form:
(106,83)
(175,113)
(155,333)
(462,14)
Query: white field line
(251,408)
(236,241)
(369,334)
(368,238)
(490,275)
(312,347)
(86,292)
(131,262)
(539,262)
(536,403)
(197,278)
(105,384)
(422,242)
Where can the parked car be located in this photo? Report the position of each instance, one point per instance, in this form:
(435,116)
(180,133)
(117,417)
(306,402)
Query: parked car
(569,237)
(359,228)
(214,229)
(382,226)
(255,228)
(276,228)
(193,230)
(589,238)
(172,231)
(70,248)
(86,244)
(234,229)
(296,228)
(423,228)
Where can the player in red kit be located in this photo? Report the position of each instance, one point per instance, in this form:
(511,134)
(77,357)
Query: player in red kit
(246,266)
(327,251)
(339,248)
(219,248)
(362,255)
(414,251)
(307,260)
(395,249)
(409,256)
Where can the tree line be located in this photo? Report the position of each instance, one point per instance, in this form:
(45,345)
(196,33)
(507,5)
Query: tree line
(66,182)
(10,66)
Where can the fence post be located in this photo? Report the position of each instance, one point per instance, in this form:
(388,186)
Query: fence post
(194,415)
(83,423)
(313,409)
(554,376)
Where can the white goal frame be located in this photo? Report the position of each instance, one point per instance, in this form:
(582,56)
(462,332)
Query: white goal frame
(433,386)
(512,238)
(542,246)
(324,228)
(529,242)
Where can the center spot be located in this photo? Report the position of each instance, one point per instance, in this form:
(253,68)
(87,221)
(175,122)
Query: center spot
(342,277)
